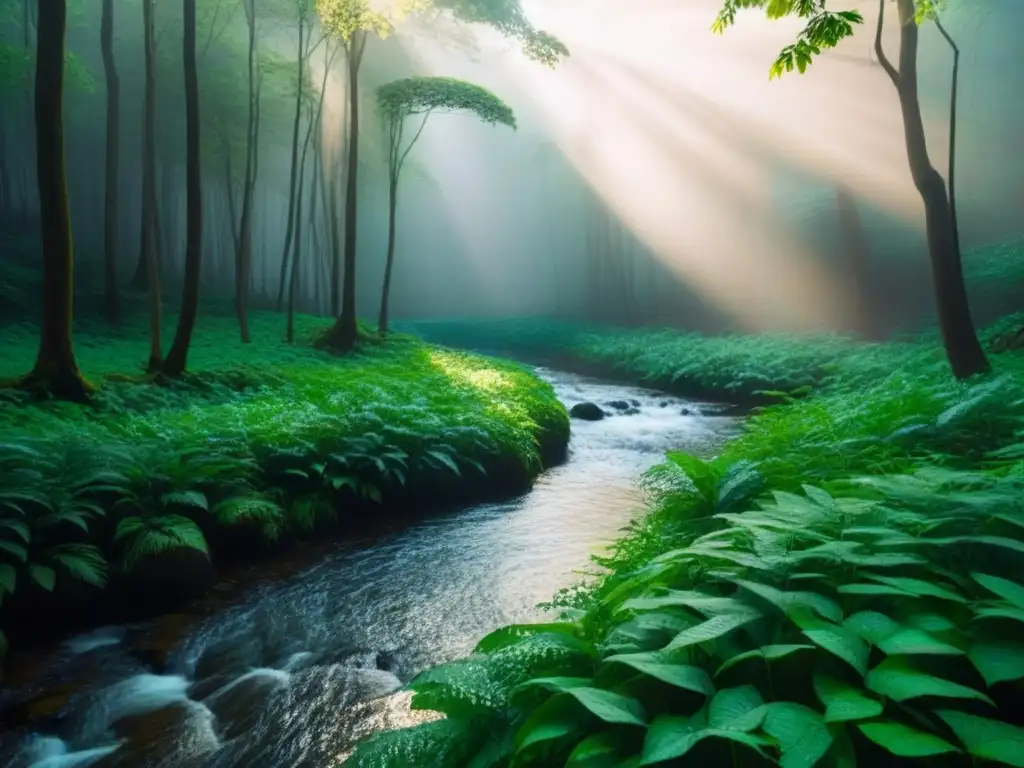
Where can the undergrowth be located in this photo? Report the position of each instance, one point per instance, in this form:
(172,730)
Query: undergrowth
(841,587)
(275,440)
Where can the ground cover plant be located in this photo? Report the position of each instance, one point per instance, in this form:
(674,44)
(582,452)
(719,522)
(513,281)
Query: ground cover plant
(840,587)
(263,443)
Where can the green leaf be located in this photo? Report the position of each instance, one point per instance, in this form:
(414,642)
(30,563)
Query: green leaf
(897,680)
(766,653)
(842,702)
(801,732)
(919,587)
(786,601)
(17,550)
(998,661)
(514,634)
(680,675)
(445,459)
(610,707)
(835,639)
(906,742)
(671,737)
(20,528)
(1005,611)
(8,578)
(552,720)
(913,641)
(44,576)
(736,709)
(871,626)
(987,739)
(598,750)
(712,629)
(1006,589)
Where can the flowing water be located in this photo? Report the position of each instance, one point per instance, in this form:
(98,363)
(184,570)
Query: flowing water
(296,671)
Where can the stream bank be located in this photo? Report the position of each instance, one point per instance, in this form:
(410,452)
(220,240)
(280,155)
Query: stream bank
(293,671)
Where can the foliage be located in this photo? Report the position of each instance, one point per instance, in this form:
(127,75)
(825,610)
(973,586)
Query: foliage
(280,439)
(17,70)
(841,586)
(507,17)
(346,18)
(423,95)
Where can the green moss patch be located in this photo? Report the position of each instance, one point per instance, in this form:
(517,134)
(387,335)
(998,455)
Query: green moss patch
(263,443)
(842,586)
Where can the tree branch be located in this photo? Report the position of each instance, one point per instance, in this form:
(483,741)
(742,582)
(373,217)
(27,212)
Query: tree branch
(415,138)
(890,70)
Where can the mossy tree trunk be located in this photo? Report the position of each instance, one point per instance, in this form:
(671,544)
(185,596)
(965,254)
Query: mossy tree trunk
(56,371)
(177,358)
(966,357)
(112,301)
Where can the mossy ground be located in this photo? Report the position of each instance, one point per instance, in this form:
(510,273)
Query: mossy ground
(261,444)
(840,587)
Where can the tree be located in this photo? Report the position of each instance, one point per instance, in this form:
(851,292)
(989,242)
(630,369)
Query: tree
(421,97)
(350,21)
(56,370)
(243,250)
(150,237)
(177,358)
(825,29)
(110,288)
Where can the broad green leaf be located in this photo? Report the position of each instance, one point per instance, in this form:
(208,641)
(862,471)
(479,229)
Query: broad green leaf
(906,742)
(17,550)
(913,641)
(801,732)
(516,633)
(873,590)
(670,737)
(736,709)
(842,702)
(610,707)
(835,639)
(554,719)
(919,587)
(44,576)
(786,601)
(1006,589)
(713,628)
(8,578)
(598,750)
(766,653)
(552,684)
(699,601)
(680,675)
(897,680)
(998,661)
(987,739)
(190,499)
(1005,611)
(871,626)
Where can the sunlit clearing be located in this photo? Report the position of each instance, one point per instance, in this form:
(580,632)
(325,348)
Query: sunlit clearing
(461,370)
(689,144)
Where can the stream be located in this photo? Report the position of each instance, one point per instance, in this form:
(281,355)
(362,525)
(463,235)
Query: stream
(295,671)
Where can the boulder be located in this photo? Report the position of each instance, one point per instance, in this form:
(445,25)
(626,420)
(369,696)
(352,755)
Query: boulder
(586,412)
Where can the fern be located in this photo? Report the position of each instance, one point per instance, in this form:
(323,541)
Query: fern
(147,537)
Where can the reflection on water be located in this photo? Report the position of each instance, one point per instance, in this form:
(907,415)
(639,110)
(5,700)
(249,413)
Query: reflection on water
(299,670)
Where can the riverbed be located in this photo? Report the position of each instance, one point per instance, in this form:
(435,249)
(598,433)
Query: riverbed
(295,671)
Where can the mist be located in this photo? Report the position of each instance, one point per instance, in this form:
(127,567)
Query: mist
(656,177)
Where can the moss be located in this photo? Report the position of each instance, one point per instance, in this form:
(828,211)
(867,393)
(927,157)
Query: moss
(260,445)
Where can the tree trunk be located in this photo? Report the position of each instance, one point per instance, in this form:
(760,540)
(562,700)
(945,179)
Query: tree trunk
(55,371)
(177,358)
(965,354)
(382,321)
(112,302)
(857,261)
(149,188)
(335,231)
(243,255)
(293,284)
(290,225)
(346,330)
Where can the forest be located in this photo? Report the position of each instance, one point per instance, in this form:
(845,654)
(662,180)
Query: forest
(498,383)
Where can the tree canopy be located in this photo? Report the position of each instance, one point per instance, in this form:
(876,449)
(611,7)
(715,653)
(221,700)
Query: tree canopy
(422,95)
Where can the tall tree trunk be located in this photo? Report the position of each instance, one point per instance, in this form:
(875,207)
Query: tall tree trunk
(112,300)
(55,371)
(293,177)
(177,358)
(965,354)
(382,320)
(149,190)
(293,284)
(243,255)
(335,230)
(954,84)
(858,260)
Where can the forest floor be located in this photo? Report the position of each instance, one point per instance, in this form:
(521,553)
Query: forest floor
(140,493)
(840,586)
